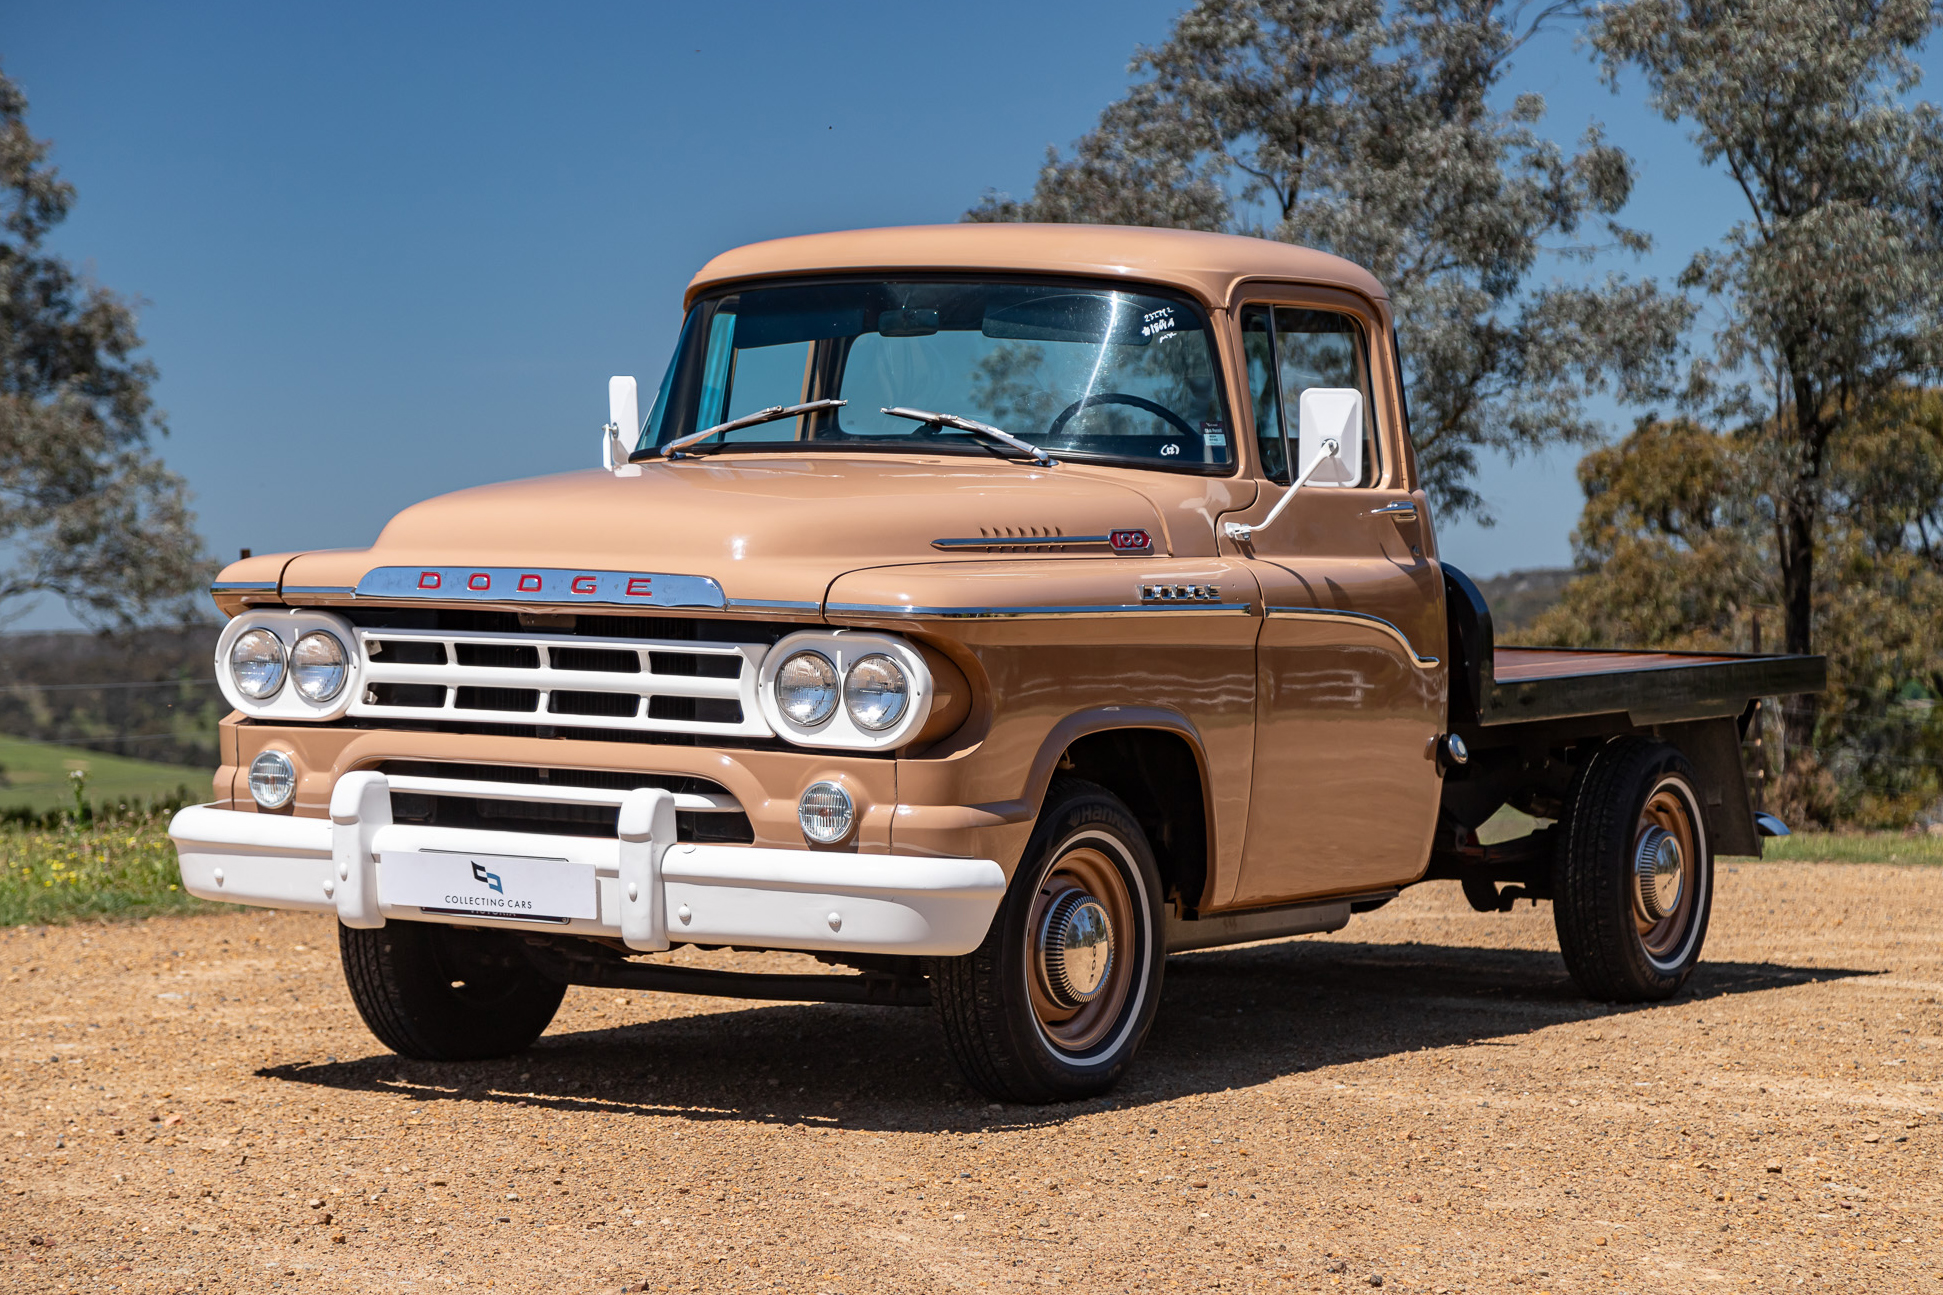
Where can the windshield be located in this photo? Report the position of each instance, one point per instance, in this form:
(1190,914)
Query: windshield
(1081,371)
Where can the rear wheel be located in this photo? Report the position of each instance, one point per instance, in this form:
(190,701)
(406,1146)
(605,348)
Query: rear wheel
(1056,1001)
(1633,884)
(446,993)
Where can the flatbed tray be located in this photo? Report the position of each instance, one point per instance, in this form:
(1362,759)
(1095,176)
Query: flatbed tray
(1650,687)
(1492,685)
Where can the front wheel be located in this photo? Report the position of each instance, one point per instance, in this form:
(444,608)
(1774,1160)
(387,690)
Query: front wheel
(446,993)
(1056,1001)
(1633,885)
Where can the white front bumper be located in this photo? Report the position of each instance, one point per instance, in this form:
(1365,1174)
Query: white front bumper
(707,894)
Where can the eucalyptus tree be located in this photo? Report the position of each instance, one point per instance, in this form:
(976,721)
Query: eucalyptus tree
(87,511)
(1830,289)
(1374,130)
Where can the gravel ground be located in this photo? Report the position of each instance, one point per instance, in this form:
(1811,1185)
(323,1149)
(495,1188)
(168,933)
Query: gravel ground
(1419,1101)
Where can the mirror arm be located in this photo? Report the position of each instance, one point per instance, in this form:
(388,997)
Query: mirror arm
(1244,533)
(623,417)
(616,448)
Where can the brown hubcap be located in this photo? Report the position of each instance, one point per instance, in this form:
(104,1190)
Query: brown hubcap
(1080,955)
(1666,866)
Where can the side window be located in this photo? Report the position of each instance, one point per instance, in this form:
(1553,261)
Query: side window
(1325,348)
(1258,346)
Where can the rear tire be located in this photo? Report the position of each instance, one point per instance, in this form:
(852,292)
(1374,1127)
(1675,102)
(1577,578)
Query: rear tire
(446,993)
(1633,885)
(1042,1011)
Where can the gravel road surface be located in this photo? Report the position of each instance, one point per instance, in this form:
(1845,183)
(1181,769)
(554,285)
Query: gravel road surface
(1419,1102)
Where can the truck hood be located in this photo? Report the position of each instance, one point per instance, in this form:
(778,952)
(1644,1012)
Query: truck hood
(767,529)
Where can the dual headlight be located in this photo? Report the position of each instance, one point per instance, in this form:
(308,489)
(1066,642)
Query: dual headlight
(846,689)
(317,665)
(876,692)
(287,665)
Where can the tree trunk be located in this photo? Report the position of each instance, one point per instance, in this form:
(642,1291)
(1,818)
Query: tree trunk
(1800,511)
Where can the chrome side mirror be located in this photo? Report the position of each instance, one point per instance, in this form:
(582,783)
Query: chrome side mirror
(623,422)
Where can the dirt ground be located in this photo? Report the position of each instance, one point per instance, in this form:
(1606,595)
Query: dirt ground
(1419,1102)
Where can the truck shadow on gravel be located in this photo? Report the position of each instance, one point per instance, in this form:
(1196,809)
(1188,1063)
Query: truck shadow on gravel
(1230,1018)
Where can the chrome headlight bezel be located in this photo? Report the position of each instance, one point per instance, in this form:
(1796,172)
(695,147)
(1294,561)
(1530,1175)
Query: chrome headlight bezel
(288,701)
(845,649)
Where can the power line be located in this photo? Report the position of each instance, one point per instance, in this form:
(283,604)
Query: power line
(77,687)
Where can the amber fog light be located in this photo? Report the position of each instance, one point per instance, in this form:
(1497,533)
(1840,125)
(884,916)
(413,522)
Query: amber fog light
(273,779)
(826,813)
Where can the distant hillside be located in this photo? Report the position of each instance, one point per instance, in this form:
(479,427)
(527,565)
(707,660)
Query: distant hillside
(1520,597)
(36,777)
(149,694)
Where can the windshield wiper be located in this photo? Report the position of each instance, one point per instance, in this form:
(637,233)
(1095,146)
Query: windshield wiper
(1039,456)
(768,415)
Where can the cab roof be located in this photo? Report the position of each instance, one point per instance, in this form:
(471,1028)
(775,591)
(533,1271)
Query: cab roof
(1209,266)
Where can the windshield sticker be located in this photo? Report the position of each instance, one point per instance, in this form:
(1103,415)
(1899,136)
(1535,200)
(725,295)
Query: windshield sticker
(1213,435)
(1157,323)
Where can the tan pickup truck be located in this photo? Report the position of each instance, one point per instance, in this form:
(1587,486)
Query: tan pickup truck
(988,611)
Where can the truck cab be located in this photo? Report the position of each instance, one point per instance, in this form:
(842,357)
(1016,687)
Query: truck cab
(988,610)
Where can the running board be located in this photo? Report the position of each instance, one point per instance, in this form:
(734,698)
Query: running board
(602,973)
(1266,923)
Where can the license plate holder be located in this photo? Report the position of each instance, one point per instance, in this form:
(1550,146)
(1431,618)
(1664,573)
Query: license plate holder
(496,886)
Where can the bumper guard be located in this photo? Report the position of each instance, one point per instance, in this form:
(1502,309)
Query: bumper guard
(652,891)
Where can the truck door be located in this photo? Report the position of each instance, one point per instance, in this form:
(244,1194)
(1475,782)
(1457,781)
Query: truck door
(1350,675)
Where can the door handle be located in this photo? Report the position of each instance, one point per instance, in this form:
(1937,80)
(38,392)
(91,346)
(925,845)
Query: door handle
(1403,510)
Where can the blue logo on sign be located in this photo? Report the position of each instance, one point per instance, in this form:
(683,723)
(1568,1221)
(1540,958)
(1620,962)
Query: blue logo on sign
(479,873)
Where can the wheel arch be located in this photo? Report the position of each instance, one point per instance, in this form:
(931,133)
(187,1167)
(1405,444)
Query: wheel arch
(1155,762)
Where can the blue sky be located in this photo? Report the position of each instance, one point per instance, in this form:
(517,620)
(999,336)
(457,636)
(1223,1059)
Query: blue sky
(391,250)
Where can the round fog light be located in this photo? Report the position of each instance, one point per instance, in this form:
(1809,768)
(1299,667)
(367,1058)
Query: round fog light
(273,779)
(825,813)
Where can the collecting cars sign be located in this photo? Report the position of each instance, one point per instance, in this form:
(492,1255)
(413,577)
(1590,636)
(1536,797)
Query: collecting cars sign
(485,885)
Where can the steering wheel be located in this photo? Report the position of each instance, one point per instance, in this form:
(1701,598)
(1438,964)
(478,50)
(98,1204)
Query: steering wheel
(1117,398)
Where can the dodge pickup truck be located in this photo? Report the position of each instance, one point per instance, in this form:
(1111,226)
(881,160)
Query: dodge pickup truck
(985,611)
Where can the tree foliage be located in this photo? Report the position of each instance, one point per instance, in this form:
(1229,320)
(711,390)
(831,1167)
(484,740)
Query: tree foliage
(1368,129)
(1680,548)
(1830,291)
(87,512)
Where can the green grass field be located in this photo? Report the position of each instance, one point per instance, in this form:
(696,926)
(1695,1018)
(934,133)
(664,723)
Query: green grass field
(121,865)
(36,777)
(1857,847)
